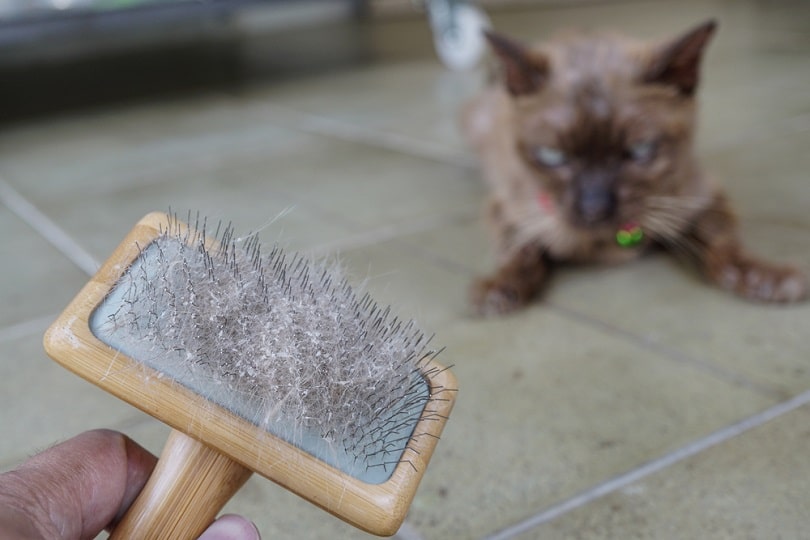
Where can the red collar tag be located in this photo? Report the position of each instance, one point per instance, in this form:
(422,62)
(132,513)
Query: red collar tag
(545,202)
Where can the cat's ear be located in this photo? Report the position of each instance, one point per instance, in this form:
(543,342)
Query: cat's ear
(677,63)
(525,71)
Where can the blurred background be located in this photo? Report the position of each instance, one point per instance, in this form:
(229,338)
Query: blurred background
(60,54)
(630,402)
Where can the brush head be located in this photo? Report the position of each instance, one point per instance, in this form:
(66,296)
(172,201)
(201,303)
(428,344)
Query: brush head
(281,341)
(268,358)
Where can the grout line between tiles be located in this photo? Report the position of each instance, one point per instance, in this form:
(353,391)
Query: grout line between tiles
(155,172)
(49,230)
(614,484)
(385,139)
(388,140)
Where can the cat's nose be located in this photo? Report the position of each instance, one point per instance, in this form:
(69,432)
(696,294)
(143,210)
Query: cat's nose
(595,205)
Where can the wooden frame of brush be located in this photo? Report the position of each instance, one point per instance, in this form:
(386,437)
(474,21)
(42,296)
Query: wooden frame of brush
(375,508)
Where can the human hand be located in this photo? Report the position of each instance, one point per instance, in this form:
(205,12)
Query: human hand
(78,488)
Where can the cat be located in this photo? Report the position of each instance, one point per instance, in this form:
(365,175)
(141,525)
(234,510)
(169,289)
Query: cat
(586,144)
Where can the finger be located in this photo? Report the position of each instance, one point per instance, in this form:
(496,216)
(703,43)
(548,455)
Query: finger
(77,488)
(231,527)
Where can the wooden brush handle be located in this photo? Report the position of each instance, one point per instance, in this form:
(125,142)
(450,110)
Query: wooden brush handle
(189,486)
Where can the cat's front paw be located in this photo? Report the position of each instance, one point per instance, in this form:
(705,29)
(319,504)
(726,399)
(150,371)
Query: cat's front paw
(763,282)
(491,297)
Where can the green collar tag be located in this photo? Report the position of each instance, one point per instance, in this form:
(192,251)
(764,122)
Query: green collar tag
(629,235)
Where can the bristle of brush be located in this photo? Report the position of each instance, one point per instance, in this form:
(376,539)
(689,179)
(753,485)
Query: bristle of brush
(285,342)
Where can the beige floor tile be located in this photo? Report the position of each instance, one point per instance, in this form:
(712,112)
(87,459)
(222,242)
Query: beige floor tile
(36,281)
(368,187)
(137,146)
(463,245)
(753,97)
(752,486)
(767,180)
(415,287)
(42,403)
(102,150)
(248,204)
(418,99)
(547,407)
(328,190)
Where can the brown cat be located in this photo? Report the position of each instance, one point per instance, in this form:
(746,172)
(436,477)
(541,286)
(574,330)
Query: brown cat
(586,143)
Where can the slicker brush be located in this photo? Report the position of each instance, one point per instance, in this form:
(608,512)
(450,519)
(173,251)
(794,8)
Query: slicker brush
(260,362)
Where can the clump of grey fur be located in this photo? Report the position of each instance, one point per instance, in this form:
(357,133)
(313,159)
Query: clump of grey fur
(282,341)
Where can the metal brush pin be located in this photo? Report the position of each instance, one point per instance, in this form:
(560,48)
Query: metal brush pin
(260,362)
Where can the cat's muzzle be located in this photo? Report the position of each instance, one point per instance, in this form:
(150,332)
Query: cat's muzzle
(595,205)
(595,197)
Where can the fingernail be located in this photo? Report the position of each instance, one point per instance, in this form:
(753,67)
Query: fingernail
(231,527)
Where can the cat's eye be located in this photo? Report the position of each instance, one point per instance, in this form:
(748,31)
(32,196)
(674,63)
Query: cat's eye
(643,152)
(549,156)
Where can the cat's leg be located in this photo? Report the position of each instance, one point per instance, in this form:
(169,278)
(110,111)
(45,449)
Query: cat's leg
(515,283)
(714,240)
(521,271)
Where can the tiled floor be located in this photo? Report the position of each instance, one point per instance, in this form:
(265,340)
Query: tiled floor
(633,402)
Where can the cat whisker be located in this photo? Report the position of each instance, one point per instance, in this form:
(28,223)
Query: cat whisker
(680,201)
(665,225)
(671,215)
(667,228)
